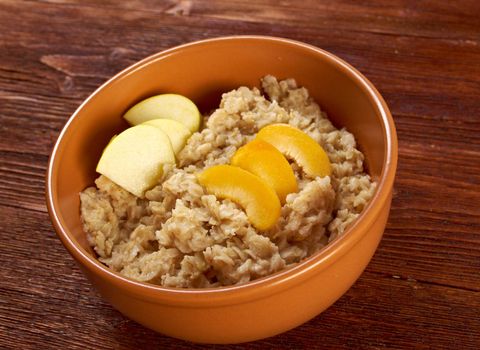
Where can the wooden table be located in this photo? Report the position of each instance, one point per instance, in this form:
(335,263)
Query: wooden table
(422,288)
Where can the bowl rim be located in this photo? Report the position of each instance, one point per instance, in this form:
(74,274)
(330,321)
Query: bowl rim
(267,285)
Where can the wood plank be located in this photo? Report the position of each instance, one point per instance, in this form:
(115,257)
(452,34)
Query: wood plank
(422,288)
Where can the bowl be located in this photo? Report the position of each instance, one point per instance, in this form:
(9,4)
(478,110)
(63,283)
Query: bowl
(203,71)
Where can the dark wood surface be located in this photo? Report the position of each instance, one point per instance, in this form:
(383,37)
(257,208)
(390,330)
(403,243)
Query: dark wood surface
(422,288)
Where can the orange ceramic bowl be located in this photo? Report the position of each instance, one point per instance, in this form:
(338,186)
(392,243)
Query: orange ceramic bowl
(203,71)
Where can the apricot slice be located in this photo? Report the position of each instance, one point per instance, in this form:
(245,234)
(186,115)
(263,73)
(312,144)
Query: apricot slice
(257,198)
(262,159)
(300,147)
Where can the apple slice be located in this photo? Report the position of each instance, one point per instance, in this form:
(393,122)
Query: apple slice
(166,106)
(109,142)
(134,159)
(176,132)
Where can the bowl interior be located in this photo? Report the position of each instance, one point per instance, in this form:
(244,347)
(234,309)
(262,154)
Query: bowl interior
(203,71)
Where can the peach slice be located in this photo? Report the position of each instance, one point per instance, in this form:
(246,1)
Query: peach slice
(249,191)
(297,145)
(262,159)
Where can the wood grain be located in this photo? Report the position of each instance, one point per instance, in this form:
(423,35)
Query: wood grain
(422,288)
